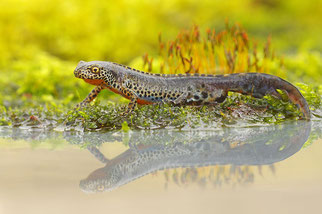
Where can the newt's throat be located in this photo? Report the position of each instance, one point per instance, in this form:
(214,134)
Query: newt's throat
(93,82)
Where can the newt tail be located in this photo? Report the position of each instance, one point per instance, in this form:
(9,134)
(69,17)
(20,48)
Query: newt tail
(182,89)
(258,85)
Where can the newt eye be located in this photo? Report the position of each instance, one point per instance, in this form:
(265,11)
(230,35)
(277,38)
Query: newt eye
(95,70)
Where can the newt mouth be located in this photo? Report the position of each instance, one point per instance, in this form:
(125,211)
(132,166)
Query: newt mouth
(93,82)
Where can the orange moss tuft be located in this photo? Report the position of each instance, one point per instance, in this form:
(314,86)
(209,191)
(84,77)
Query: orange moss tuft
(227,51)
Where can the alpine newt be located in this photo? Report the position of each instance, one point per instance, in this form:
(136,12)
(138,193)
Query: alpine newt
(181,89)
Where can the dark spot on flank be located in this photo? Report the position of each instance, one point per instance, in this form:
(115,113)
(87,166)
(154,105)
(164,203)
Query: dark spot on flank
(221,99)
(203,85)
(204,94)
(219,75)
(202,75)
(196,75)
(196,97)
(157,74)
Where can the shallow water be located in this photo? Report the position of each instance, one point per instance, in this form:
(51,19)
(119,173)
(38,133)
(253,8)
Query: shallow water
(245,170)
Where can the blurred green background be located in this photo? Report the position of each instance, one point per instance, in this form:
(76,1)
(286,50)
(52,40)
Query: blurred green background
(42,40)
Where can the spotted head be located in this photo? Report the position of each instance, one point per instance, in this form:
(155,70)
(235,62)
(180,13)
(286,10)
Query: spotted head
(95,72)
(101,180)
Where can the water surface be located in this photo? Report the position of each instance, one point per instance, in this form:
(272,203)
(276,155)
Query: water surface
(267,169)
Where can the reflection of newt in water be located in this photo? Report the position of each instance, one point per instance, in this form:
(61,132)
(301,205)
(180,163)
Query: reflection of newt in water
(244,146)
(188,89)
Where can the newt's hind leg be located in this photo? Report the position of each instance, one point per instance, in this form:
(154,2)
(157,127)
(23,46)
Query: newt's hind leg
(215,98)
(90,97)
(222,98)
(274,93)
(97,154)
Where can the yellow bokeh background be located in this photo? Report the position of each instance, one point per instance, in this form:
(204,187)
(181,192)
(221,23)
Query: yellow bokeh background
(42,40)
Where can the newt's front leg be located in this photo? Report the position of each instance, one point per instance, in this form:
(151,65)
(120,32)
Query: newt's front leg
(91,96)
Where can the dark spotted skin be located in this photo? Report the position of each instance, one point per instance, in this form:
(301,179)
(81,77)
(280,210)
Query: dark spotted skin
(182,89)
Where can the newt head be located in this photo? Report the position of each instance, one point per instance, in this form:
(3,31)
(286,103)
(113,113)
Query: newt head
(101,180)
(95,72)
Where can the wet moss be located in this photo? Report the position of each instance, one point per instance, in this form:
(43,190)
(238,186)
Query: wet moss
(237,110)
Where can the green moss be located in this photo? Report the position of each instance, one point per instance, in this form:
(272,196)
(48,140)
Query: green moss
(125,127)
(237,110)
(313,96)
